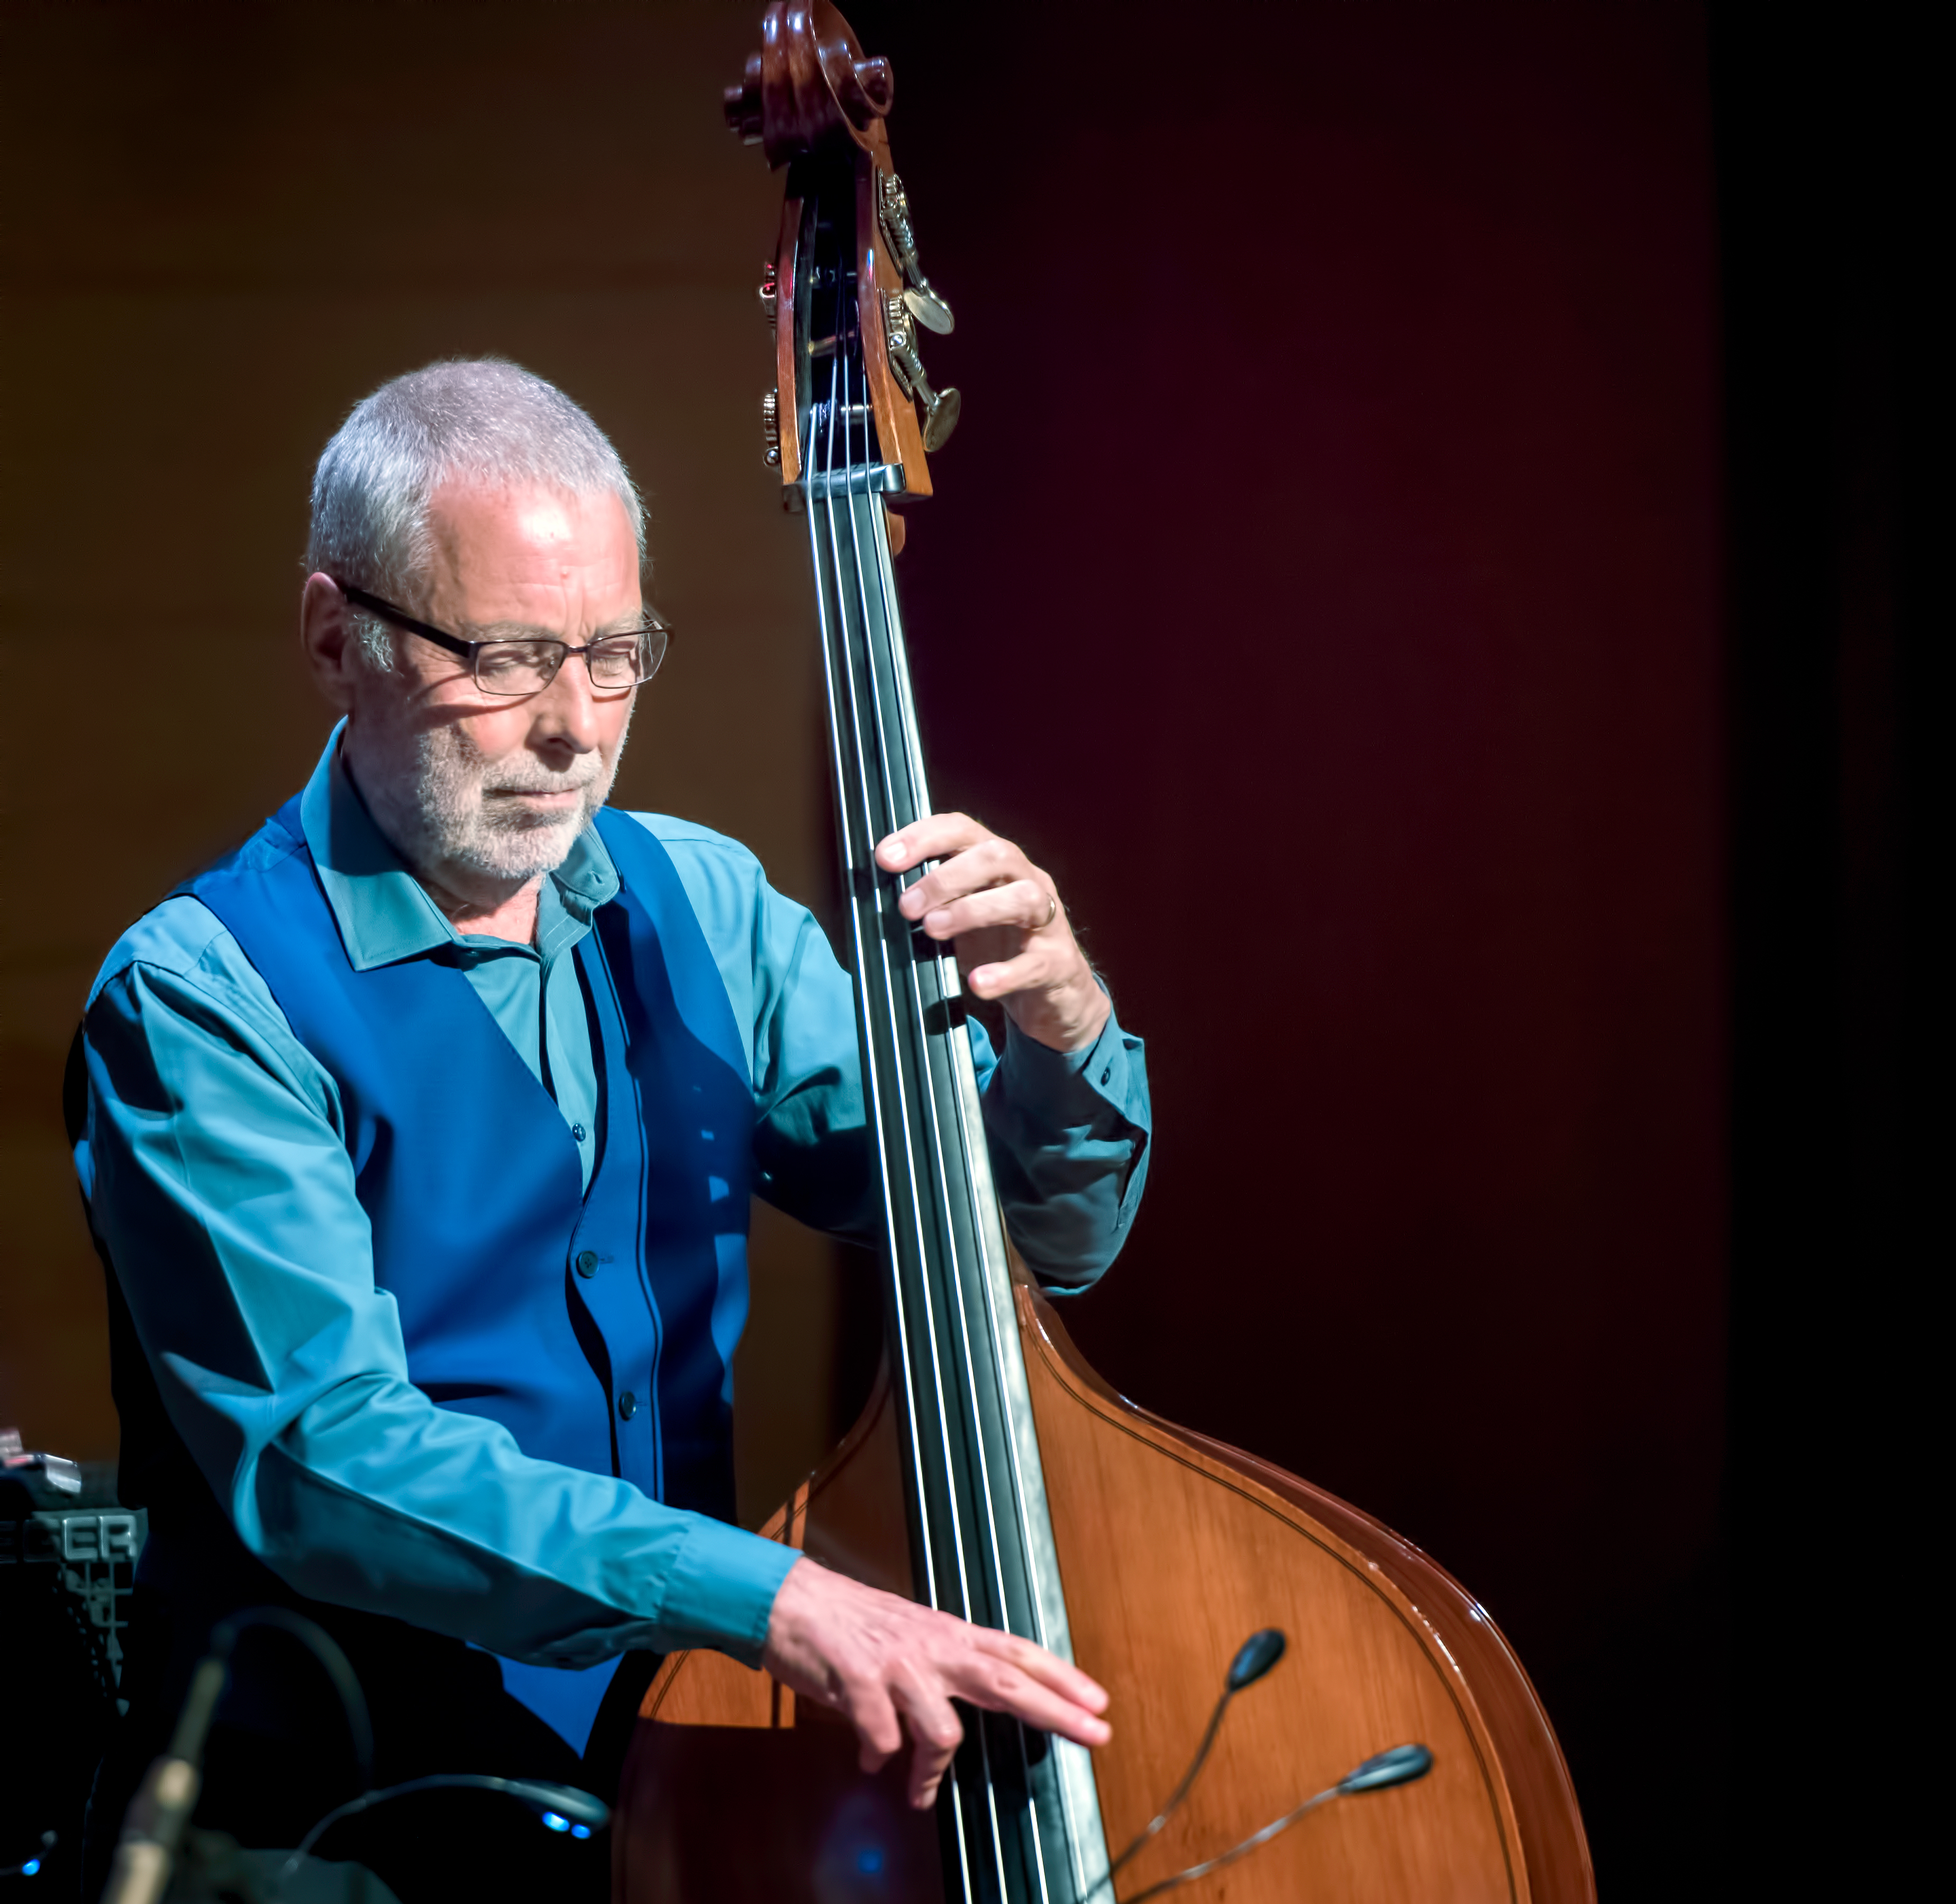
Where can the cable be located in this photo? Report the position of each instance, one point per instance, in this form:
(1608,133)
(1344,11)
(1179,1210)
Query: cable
(161,1808)
(153,1826)
(31,1868)
(333,1662)
(561,1807)
(1254,1658)
(1400,1766)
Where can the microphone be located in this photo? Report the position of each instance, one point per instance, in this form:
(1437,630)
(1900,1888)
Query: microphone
(1254,1658)
(1401,1765)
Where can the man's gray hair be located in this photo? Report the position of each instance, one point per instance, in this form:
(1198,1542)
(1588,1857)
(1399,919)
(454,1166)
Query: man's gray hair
(480,420)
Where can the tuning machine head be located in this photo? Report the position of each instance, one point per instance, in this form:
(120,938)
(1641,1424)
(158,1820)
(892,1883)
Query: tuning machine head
(917,303)
(941,408)
(893,213)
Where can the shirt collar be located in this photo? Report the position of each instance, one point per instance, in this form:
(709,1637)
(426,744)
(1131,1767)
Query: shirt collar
(384,912)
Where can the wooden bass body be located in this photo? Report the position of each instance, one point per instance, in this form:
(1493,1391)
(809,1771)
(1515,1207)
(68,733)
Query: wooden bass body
(1173,1549)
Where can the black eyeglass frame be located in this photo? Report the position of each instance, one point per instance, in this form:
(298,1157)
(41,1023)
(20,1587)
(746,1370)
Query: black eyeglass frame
(471,651)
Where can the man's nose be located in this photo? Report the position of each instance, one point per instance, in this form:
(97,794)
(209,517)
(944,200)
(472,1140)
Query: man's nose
(565,715)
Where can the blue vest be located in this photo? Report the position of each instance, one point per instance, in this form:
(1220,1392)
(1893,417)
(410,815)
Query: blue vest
(596,1325)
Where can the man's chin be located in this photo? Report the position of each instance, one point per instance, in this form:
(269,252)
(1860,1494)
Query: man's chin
(522,853)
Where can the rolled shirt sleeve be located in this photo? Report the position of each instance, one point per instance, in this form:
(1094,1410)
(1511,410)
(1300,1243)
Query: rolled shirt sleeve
(1069,1134)
(220,1183)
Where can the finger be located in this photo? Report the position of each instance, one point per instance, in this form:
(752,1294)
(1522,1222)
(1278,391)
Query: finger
(1027,972)
(1024,904)
(1004,1688)
(990,862)
(934,1726)
(929,838)
(871,1711)
(1036,1663)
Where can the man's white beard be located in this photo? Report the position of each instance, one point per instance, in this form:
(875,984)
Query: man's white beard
(462,826)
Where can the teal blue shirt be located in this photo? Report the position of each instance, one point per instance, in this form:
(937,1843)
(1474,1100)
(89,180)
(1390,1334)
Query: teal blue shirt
(215,1167)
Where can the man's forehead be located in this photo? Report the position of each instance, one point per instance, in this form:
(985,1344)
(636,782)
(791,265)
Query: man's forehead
(511,541)
(515,516)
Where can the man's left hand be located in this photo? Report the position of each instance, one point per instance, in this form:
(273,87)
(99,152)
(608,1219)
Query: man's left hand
(1013,941)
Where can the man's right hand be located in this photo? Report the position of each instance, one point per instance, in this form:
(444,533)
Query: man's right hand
(884,1663)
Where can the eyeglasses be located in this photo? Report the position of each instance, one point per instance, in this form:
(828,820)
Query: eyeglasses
(509,669)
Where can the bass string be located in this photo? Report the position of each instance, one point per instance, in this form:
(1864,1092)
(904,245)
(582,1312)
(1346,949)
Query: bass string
(890,725)
(858,503)
(841,401)
(881,726)
(918,1170)
(850,767)
(905,725)
(841,410)
(834,635)
(966,1136)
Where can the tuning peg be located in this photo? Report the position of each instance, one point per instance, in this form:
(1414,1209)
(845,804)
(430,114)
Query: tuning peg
(893,213)
(929,309)
(941,412)
(771,429)
(941,408)
(770,299)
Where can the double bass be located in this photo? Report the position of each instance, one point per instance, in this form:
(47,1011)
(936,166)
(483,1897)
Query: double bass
(1305,1705)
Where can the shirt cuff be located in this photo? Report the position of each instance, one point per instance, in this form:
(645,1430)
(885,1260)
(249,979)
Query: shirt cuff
(1053,1079)
(722,1587)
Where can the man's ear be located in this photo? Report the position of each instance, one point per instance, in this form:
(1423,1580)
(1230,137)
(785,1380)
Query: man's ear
(326,633)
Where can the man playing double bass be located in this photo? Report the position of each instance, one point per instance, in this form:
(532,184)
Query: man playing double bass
(419,1137)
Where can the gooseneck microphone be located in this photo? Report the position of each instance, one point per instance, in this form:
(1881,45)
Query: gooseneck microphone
(1254,1658)
(1399,1766)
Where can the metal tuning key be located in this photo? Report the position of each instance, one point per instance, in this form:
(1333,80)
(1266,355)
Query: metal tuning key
(893,213)
(941,408)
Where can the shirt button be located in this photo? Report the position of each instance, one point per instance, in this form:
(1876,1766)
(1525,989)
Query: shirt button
(587,1262)
(577,1130)
(628,1405)
(1106,1075)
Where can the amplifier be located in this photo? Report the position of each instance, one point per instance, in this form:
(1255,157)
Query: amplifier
(68,1559)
